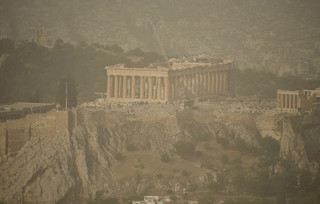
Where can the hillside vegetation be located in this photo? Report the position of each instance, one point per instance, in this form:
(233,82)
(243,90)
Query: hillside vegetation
(281,36)
(29,71)
(33,73)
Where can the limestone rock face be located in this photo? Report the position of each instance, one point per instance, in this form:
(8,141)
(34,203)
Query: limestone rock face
(68,168)
(41,168)
(50,169)
(292,145)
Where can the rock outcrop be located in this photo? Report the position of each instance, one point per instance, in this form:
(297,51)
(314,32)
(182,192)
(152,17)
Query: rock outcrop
(66,168)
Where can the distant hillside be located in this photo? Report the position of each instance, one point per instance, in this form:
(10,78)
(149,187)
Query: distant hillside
(28,70)
(281,36)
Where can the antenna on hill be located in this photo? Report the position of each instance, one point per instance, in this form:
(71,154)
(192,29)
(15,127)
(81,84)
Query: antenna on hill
(160,45)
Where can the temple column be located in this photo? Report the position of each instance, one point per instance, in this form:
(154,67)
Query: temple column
(141,87)
(116,86)
(129,80)
(288,95)
(172,88)
(189,84)
(221,82)
(289,99)
(205,84)
(159,88)
(120,86)
(226,82)
(197,84)
(185,85)
(145,85)
(200,84)
(166,88)
(133,87)
(279,100)
(176,86)
(124,87)
(209,83)
(109,87)
(214,82)
(149,87)
(204,92)
(193,82)
(286,101)
(217,83)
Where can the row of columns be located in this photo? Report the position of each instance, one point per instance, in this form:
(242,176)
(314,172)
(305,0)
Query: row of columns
(137,87)
(176,86)
(199,84)
(287,100)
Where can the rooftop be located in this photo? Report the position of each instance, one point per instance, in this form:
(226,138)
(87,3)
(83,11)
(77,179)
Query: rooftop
(22,105)
(176,64)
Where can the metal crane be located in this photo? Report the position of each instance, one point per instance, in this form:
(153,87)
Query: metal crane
(160,45)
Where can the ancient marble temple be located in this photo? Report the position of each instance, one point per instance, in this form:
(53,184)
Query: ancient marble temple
(183,79)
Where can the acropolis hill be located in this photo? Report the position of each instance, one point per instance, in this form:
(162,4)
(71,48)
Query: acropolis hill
(117,151)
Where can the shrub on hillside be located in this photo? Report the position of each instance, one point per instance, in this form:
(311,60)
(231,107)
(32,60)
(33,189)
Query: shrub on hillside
(185,173)
(240,145)
(131,147)
(118,156)
(225,159)
(184,149)
(270,146)
(223,141)
(165,157)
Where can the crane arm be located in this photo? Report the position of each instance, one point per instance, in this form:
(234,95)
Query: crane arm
(160,45)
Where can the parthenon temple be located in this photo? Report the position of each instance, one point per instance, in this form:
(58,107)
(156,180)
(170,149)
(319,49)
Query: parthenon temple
(183,80)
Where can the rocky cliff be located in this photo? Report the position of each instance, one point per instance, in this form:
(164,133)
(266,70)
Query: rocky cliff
(68,168)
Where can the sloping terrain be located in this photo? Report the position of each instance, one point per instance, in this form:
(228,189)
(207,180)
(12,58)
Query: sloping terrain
(121,154)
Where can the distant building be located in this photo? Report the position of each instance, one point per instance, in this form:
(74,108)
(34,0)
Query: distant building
(41,37)
(304,100)
(20,110)
(153,200)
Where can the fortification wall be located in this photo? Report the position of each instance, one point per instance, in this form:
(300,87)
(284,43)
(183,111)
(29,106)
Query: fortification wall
(3,140)
(15,133)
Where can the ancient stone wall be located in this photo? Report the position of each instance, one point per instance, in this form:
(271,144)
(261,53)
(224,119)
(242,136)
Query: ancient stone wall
(3,139)
(15,133)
